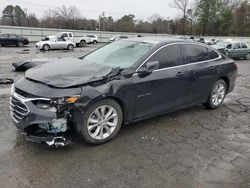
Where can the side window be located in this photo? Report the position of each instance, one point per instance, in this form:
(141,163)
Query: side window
(237,46)
(195,53)
(168,56)
(64,35)
(3,36)
(243,45)
(212,54)
(229,46)
(12,36)
(70,35)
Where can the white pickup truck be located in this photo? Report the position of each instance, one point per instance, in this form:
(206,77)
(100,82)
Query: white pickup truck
(79,41)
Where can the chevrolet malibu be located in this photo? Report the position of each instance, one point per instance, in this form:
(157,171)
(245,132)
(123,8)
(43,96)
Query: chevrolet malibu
(120,83)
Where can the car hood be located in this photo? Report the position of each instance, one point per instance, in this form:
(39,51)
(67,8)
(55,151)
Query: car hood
(218,47)
(68,72)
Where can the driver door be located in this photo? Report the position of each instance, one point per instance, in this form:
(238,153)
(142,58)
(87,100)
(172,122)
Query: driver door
(163,89)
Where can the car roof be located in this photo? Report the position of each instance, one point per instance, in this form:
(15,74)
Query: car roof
(160,40)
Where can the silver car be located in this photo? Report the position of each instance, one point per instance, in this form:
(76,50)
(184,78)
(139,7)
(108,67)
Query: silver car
(54,43)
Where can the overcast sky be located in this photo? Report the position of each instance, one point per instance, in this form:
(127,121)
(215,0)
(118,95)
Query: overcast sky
(142,9)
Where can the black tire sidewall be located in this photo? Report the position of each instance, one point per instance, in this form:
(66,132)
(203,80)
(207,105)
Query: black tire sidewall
(68,47)
(20,44)
(82,43)
(84,131)
(210,103)
(46,45)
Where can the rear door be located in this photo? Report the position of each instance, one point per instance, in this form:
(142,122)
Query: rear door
(237,51)
(13,40)
(245,50)
(202,68)
(163,89)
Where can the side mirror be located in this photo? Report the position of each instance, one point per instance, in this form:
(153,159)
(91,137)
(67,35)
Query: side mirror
(149,67)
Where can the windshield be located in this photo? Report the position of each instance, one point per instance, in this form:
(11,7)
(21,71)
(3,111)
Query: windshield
(121,54)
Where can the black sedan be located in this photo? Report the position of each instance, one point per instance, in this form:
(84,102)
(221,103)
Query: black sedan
(123,82)
(12,39)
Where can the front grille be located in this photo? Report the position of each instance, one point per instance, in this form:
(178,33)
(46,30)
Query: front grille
(18,110)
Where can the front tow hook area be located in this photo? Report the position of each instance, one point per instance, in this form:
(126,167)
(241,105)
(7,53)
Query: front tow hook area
(50,141)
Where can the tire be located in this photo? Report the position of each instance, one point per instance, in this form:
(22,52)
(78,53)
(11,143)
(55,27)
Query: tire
(94,42)
(46,47)
(217,95)
(82,43)
(248,56)
(20,44)
(92,128)
(70,47)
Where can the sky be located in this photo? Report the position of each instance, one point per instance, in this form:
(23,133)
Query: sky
(142,9)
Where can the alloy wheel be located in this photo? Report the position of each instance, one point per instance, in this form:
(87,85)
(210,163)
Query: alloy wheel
(218,94)
(102,122)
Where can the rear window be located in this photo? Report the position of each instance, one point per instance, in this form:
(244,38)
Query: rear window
(243,45)
(196,53)
(212,54)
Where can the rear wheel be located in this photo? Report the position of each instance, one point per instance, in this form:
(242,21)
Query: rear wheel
(217,95)
(20,44)
(82,43)
(46,47)
(70,47)
(94,42)
(101,122)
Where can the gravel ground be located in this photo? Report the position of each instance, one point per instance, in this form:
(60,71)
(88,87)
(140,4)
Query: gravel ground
(194,147)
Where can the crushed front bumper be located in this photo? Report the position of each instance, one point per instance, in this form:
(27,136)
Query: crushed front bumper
(27,117)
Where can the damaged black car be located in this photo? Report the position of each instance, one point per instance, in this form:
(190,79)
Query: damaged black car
(122,82)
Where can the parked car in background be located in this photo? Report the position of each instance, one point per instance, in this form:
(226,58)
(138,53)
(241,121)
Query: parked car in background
(79,41)
(235,49)
(55,44)
(118,37)
(93,39)
(210,41)
(12,39)
(123,82)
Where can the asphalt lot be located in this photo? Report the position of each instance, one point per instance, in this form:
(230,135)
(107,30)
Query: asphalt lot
(190,148)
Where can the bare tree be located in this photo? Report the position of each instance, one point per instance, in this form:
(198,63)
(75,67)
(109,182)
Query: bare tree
(182,5)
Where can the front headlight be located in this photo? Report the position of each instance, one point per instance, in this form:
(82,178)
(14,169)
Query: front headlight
(66,100)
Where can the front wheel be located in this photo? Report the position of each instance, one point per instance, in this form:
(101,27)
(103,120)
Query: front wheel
(217,95)
(101,122)
(46,47)
(70,47)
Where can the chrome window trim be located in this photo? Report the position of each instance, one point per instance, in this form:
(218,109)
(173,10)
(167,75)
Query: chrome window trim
(203,45)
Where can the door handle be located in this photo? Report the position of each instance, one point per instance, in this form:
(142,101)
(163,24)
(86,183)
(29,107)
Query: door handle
(179,74)
(212,68)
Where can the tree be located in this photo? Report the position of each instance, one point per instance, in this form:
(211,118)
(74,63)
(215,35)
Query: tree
(126,23)
(8,15)
(182,5)
(19,16)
